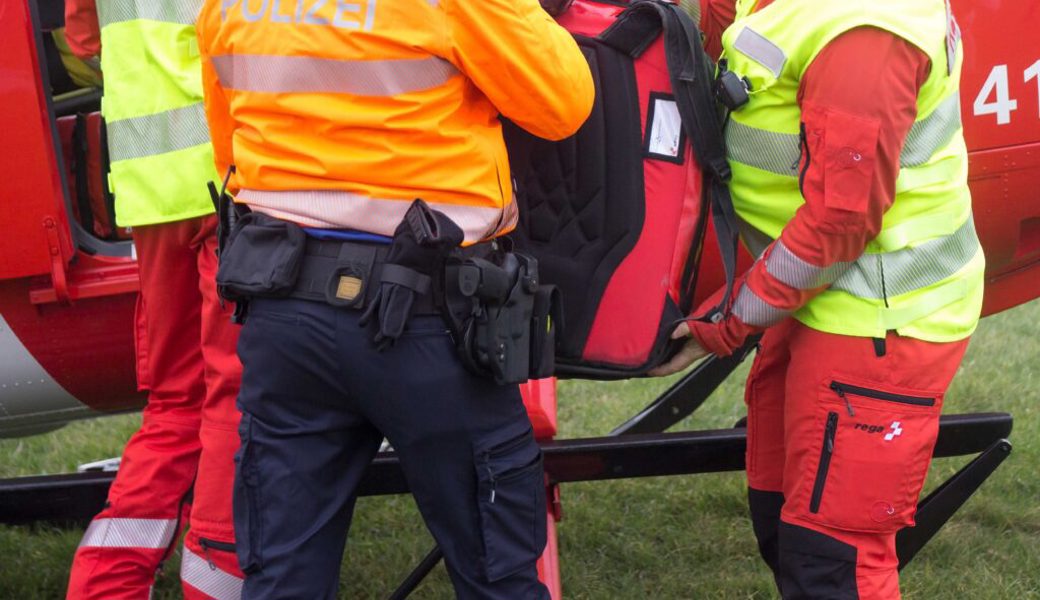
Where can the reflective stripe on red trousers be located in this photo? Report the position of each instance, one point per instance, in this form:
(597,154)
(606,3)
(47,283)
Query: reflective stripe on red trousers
(187,362)
(840,435)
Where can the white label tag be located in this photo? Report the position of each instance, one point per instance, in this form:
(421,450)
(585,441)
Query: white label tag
(665,129)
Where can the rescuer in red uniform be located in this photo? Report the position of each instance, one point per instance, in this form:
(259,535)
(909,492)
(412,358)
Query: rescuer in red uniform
(850,179)
(181,458)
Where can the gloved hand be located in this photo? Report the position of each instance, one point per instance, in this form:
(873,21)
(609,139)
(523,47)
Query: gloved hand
(421,243)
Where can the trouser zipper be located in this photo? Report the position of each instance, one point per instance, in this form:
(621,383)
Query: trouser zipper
(502,449)
(825,461)
(206,544)
(491,477)
(844,388)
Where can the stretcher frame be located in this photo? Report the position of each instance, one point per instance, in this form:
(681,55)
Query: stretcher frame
(639,447)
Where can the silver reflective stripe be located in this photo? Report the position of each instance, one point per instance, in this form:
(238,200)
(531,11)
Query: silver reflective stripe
(774,152)
(129,533)
(795,272)
(758,48)
(753,310)
(304,74)
(895,273)
(168,131)
(183,12)
(780,153)
(341,209)
(932,133)
(197,572)
(692,8)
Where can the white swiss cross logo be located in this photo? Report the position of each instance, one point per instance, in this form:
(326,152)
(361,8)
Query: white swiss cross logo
(896,431)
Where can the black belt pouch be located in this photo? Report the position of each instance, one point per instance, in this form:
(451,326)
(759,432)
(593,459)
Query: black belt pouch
(546,318)
(262,258)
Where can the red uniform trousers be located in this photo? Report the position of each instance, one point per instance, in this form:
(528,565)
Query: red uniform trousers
(840,435)
(187,361)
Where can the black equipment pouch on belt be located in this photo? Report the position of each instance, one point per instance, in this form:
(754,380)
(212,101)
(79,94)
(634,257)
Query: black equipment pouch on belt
(504,321)
(421,243)
(262,258)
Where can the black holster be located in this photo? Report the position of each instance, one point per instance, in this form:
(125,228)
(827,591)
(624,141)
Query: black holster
(503,319)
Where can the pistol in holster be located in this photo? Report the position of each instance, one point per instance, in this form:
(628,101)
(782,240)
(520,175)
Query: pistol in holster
(503,318)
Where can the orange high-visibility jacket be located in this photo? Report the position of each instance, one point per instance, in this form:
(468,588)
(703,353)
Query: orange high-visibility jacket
(338,114)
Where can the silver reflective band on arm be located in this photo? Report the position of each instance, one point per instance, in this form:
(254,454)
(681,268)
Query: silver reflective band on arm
(774,152)
(895,273)
(755,311)
(160,133)
(931,133)
(795,272)
(758,48)
(304,74)
(182,12)
(197,572)
(129,533)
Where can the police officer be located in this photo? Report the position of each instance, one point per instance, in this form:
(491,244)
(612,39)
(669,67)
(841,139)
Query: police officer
(850,178)
(161,159)
(336,116)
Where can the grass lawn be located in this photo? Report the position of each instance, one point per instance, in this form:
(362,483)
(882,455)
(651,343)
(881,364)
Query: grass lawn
(676,537)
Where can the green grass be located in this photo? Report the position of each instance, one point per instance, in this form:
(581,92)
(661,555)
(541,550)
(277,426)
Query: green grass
(676,537)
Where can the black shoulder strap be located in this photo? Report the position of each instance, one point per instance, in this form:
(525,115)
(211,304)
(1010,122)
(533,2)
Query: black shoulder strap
(692,77)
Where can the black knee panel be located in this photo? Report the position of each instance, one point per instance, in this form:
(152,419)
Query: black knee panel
(814,566)
(765,519)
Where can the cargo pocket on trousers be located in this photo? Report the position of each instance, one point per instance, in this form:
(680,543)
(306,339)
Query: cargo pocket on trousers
(876,445)
(511,502)
(246,502)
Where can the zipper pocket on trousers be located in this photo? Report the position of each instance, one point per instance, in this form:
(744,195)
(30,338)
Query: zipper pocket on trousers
(843,388)
(825,461)
(502,449)
(206,544)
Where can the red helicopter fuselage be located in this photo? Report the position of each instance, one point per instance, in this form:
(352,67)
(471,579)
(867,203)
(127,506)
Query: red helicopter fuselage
(67,297)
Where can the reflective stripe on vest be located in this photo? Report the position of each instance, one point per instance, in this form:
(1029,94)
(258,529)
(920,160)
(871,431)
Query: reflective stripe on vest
(129,533)
(780,153)
(341,209)
(158,137)
(303,74)
(876,276)
(197,572)
(160,133)
(183,12)
(758,48)
(896,273)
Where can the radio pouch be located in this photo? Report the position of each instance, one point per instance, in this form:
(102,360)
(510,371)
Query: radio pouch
(262,258)
(546,318)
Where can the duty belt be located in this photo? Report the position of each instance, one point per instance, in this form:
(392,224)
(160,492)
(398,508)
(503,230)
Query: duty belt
(346,274)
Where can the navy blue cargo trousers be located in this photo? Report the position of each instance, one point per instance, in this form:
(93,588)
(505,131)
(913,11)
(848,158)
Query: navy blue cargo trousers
(317,400)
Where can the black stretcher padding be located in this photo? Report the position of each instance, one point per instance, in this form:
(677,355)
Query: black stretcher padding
(582,200)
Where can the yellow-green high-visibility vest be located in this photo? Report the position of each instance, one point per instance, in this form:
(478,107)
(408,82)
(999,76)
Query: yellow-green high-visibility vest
(158,139)
(923,274)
